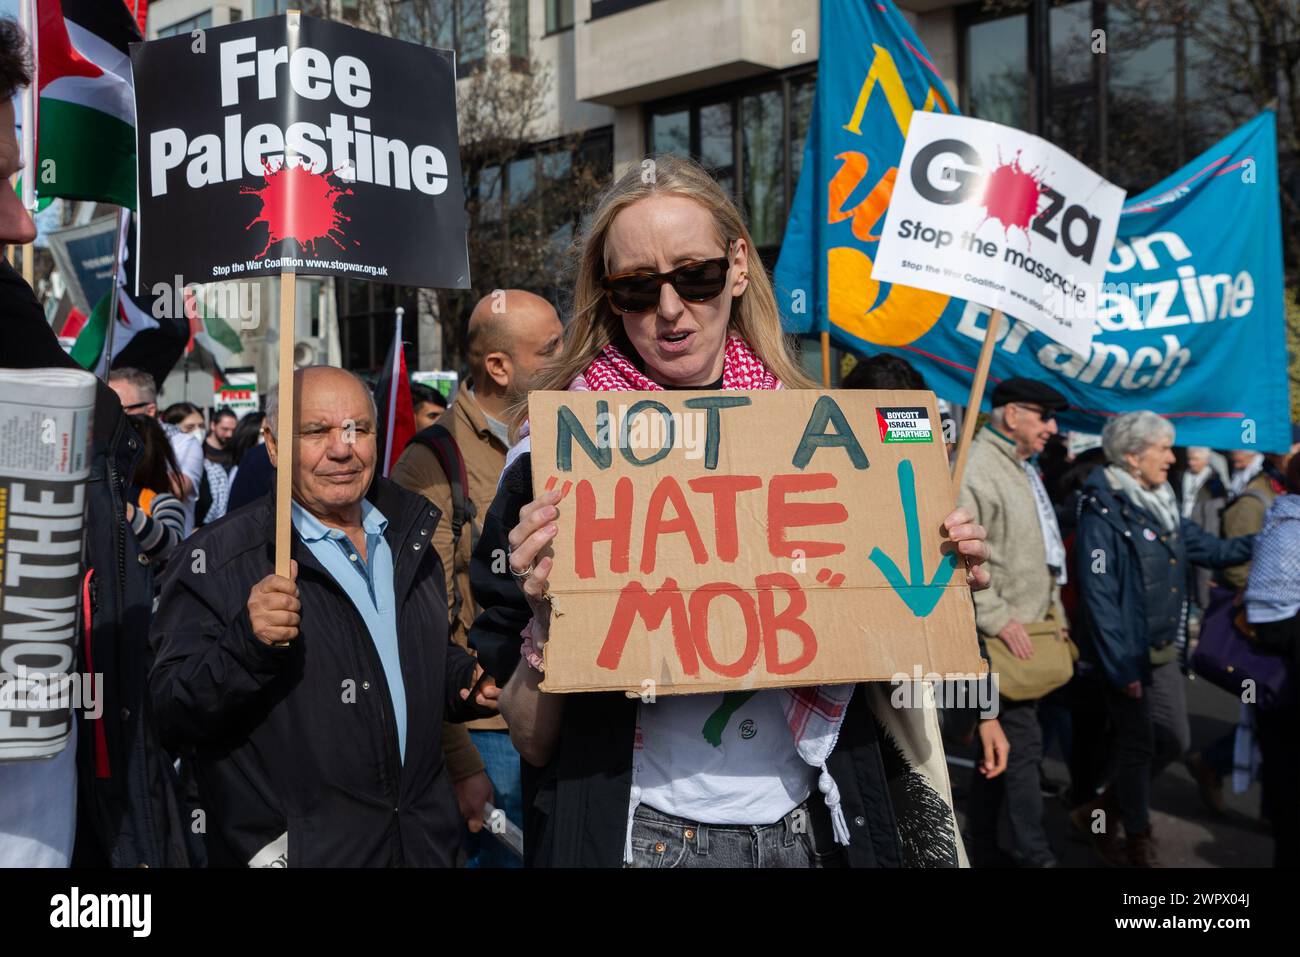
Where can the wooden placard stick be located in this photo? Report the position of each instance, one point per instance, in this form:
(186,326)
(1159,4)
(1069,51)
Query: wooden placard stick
(284,427)
(976,397)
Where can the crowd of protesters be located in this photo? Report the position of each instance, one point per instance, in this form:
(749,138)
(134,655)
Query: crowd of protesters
(369,706)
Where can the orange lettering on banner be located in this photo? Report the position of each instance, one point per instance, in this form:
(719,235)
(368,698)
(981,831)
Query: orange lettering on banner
(872,209)
(853,301)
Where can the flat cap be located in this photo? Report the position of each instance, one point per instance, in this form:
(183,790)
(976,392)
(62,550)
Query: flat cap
(1031,391)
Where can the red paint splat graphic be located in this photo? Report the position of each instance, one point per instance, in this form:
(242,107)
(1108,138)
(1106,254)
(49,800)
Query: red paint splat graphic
(300,205)
(1011,195)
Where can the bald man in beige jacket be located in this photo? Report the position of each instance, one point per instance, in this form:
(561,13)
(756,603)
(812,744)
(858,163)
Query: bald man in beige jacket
(512,335)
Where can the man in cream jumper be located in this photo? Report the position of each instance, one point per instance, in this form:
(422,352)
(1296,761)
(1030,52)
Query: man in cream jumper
(1003,490)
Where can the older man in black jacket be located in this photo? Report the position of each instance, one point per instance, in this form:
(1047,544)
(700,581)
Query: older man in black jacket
(314,705)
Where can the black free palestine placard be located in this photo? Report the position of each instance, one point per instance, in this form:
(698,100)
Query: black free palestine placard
(372,186)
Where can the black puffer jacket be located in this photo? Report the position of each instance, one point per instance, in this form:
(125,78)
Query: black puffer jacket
(303,740)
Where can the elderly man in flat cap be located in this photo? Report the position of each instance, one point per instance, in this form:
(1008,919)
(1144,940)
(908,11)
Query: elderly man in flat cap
(1003,490)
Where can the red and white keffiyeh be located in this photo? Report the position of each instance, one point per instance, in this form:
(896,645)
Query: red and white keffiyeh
(814,713)
(611,371)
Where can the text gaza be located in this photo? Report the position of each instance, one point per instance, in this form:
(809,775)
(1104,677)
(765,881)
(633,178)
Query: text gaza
(354,151)
(937,179)
(715,499)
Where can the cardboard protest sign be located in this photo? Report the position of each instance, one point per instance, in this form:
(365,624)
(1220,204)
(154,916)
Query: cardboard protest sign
(733,540)
(991,214)
(293,144)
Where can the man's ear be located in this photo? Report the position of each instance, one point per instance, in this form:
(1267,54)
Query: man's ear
(268,434)
(499,368)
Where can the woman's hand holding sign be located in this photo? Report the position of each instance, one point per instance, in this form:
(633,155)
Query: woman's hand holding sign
(528,540)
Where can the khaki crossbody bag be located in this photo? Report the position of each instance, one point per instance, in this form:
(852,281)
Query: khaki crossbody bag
(1051,666)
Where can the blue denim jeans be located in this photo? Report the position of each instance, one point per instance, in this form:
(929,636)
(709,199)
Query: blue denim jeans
(803,838)
(501,761)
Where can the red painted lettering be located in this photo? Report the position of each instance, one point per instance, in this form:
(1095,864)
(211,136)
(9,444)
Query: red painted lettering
(588,529)
(788,620)
(633,602)
(782,515)
(699,606)
(724,489)
(655,525)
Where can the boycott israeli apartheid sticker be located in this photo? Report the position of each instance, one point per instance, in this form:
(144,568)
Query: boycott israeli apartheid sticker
(691,557)
(904,425)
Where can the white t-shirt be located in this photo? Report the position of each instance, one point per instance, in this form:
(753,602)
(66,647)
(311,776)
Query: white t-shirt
(189,457)
(720,759)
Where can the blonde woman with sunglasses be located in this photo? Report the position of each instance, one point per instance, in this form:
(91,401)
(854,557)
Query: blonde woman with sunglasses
(670,294)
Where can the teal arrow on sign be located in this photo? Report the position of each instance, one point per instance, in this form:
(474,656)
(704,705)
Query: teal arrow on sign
(916,594)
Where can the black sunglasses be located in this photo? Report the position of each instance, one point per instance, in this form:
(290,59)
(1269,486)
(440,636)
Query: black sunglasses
(697,281)
(1047,415)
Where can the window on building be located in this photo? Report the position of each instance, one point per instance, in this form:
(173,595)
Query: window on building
(716,143)
(1071,120)
(762,138)
(367,321)
(459,25)
(559,15)
(751,137)
(606,8)
(271,8)
(519,31)
(802,91)
(185,27)
(1148,105)
(671,133)
(997,70)
(488,189)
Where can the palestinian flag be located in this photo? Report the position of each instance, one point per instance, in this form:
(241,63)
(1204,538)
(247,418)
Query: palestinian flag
(214,342)
(140,340)
(393,397)
(85,131)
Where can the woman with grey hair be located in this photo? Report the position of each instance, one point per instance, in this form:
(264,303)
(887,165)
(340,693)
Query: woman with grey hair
(1133,553)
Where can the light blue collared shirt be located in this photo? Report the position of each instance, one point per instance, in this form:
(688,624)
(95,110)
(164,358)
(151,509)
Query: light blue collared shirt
(368,582)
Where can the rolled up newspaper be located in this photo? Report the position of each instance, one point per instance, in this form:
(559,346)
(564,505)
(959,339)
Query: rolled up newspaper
(503,829)
(45,429)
